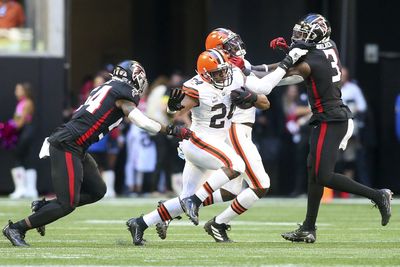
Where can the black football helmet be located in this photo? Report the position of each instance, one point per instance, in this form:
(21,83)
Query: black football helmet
(313,28)
(132,73)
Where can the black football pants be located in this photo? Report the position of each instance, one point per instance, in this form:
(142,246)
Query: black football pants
(324,146)
(76,182)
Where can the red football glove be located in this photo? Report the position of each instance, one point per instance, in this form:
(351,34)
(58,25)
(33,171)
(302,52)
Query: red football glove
(279,43)
(180,132)
(237,61)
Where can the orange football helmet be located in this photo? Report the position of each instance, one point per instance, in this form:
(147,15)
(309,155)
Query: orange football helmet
(222,38)
(213,67)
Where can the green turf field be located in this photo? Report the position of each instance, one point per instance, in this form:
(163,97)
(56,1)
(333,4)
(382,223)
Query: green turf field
(349,233)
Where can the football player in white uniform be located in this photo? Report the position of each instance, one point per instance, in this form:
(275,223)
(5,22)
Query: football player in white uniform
(208,96)
(239,137)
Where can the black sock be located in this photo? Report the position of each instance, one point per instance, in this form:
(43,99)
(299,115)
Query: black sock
(343,183)
(196,200)
(314,196)
(20,225)
(141,222)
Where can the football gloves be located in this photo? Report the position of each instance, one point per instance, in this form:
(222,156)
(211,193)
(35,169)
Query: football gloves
(279,43)
(179,131)
(243,97)
(176,96)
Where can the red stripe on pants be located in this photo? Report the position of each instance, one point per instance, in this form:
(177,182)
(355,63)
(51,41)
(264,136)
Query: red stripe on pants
(320,143)
(71,177)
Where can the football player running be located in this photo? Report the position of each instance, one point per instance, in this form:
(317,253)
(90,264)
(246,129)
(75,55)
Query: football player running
(331,123)
(207,153)
(75,176)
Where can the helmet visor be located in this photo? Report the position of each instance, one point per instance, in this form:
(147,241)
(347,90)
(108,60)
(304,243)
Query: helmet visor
(235,46)
(222,76)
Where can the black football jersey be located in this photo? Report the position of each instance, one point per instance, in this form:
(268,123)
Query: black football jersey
(99,115)
(323,84)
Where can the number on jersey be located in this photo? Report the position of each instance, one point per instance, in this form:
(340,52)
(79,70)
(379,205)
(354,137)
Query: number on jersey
(221,124)
(95,98)
(331,55)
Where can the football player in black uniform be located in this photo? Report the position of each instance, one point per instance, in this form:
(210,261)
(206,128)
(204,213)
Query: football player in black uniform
(75,176)
(331,123)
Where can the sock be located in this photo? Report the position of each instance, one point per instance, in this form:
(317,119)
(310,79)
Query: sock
(241,203)
(21,225)
(216,180)
(167,211)
(215,197)
(314,196)
(343,183)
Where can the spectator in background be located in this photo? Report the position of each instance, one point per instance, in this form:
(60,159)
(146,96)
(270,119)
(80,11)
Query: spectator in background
(141,152)
(297,114)
(11,14)
(157,110)
(24,177)
(354,155)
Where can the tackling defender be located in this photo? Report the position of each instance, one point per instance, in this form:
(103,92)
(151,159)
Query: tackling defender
(75,176)
(331,123)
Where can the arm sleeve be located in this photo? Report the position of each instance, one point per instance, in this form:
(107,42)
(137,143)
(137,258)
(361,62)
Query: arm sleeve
(142,121)
(294,79)
(265,84)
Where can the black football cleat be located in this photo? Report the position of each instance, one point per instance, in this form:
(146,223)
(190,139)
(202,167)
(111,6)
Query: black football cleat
(137,231)
(35,206)
(191,209)
(301,235)
(15,236)
(385,206)
(218,231)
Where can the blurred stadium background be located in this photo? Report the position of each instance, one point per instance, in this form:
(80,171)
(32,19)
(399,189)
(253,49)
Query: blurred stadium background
(63,43)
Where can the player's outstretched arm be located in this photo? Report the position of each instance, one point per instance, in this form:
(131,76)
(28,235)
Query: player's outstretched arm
(268,82)
(142,121)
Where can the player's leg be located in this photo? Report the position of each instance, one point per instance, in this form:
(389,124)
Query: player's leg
(335,133)
(220,155)
(324,143)
(66,170)
(255,176)
(169,209)
(93,187)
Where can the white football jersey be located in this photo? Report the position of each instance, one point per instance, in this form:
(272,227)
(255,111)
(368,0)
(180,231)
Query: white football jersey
(214,113)
(245,115)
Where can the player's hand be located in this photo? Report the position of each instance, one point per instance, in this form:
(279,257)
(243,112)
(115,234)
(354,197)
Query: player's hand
(237,61)
(297,50)
(243,96)
(178,131)
(176,96)
(279,43)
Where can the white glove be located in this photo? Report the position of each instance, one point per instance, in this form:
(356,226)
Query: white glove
(296,54)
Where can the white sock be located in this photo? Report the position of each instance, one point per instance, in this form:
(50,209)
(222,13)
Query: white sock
(167,211)
(215,182)
(214,198)
(239,205)
(31,178)
(19,179)
(109,179)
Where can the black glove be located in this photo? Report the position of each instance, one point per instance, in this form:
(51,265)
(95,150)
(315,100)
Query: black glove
(242,96)
(178,131)
(176,96)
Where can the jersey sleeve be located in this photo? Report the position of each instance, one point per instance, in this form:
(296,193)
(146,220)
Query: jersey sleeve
(125,92)
(190,91)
